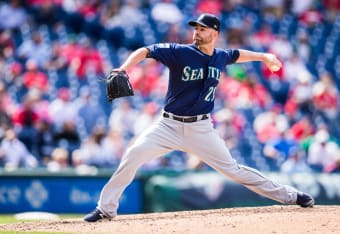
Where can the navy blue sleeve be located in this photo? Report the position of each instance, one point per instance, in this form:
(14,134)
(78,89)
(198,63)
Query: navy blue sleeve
(233,55)
(162,52)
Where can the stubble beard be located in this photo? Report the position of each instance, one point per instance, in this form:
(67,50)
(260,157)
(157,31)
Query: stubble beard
(201,42)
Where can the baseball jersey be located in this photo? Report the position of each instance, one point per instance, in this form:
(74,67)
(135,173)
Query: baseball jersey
(193,76)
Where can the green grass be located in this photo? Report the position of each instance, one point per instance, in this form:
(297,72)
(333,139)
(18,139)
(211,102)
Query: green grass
(5,219)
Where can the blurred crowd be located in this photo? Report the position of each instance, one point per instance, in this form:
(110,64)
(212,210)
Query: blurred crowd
(54,55)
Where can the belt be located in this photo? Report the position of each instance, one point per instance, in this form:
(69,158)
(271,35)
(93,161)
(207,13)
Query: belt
(190,119)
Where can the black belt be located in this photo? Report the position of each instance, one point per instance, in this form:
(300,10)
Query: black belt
(186,119)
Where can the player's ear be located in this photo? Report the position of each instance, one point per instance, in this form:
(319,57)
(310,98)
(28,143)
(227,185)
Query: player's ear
(215,33)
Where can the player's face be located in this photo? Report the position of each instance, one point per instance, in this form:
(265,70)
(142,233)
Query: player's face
(203,35)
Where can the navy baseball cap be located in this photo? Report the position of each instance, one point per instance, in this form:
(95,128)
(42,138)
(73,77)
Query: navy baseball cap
(207,20)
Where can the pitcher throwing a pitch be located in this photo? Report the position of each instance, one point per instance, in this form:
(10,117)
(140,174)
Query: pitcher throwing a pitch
(185,124)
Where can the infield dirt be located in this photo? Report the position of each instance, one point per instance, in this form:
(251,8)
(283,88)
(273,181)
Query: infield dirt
(269,219)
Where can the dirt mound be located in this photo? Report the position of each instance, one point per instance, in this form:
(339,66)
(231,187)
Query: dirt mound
(269,219)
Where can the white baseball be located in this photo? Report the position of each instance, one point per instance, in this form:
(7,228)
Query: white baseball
(274,67)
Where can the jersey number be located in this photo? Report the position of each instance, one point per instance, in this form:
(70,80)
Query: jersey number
(211,94)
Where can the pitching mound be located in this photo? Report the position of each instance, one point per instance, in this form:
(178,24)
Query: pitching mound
(270,219)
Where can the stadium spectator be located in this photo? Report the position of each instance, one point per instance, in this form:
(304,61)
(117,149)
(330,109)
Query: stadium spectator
(270,124)
(296,162)
(229,123)
(122,24)
(67,137)
(282,47)
(166,11)
(62,109)
(148,115)
(145,78)
(323,151)
(72,17)
(14,153)
(301,46)
(209,6)
(91,114)
(12,15)
(110,20)
(82,57)
(334,167)
(244,91)
(35,49)
(263,38)
(6,101)
(311,17)
(300,96)
(332,9)
(34,78)
(278,149)
(298,7)
(293,66)
(302,129)
(12,78)
(91,15)
(122,118)
(71,51)
(41,105)
(326,97)
(272,8)
(7,44)
(113,146)
(45,141)
(59,160)
(25,119)
(132,20)
(45,12)
(91,149)
(90,60)
(174,33)
(109,152)
(57,61)
(236,38)
(5,118)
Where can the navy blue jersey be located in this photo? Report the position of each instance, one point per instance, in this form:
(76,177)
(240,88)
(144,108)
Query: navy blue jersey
(193,76)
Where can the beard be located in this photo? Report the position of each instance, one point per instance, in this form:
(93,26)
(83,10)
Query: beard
(202,41)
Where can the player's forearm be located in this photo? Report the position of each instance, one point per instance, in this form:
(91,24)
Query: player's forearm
(271,61)
(249,56)
(134,58)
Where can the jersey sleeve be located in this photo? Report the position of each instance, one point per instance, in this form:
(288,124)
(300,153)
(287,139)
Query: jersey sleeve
(232,55)
(162,52)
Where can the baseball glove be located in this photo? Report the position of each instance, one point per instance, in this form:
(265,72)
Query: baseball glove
(118,85)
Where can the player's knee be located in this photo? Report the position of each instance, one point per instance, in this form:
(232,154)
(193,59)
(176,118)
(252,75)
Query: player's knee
(136,153)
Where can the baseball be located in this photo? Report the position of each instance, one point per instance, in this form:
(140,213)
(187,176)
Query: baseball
(274,67)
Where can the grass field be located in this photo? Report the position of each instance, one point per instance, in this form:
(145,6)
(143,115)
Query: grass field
(11,219)
(7,219)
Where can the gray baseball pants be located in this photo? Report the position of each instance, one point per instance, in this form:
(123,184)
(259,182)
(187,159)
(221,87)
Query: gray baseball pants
(198,138)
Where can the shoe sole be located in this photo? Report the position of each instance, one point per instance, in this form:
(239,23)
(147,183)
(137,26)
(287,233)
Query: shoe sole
(309,204)
(98,220)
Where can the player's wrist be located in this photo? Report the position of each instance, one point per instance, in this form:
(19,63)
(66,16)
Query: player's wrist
(119,69)
(263,57)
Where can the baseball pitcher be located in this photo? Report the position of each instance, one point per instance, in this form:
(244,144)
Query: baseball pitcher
(185,124)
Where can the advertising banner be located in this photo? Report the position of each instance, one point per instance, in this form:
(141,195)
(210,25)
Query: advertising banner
(61,194)
(209,190)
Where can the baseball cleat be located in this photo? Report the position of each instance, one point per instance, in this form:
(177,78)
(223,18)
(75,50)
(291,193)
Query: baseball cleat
(95,215)
(304,200)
